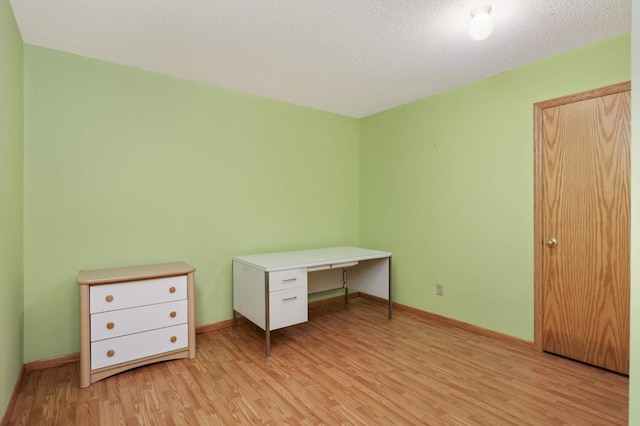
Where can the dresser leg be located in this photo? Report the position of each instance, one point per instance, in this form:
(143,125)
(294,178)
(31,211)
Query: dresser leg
(85,337)
(234,321)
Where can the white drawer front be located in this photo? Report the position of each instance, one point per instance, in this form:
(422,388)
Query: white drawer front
(288,307)
(109,297)
(106,325)
(140,345)
(281,280)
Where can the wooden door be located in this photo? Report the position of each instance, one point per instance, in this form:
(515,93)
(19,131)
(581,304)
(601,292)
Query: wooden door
(582,227)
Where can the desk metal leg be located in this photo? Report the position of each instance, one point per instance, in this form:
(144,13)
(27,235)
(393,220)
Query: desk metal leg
(267,325)
(345,285)
(267,335)
(390,298)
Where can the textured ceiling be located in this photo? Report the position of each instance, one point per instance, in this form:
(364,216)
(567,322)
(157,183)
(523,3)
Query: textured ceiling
(353,57)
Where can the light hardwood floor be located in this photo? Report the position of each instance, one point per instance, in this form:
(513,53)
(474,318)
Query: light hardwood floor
(347,365)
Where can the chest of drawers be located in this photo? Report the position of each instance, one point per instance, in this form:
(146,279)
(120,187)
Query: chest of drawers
(134,316)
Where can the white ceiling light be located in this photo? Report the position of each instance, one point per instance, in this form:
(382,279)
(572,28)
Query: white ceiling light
(481,24)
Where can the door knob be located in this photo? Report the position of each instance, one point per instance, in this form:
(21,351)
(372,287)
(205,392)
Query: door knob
(552,242)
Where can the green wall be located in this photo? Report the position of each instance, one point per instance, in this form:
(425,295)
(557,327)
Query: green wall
(11,141)
(634,376)
(447,186)
(126,167)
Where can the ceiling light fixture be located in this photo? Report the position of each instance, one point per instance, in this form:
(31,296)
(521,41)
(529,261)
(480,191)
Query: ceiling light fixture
(481,24)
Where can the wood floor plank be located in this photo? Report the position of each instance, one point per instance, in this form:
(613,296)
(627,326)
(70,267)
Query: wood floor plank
(347,365)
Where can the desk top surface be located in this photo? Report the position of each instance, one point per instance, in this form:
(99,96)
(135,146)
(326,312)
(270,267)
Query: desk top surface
(308,258)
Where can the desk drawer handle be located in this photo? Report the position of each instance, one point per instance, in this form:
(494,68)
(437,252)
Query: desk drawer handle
(109,298)
(110,325)
(111,353)
(172,290)
(173,314)
(288,280)
(173,339)
(290,298)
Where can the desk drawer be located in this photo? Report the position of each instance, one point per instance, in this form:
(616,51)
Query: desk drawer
(109,297)
(281,280)
(288,307)
(127,348)
(107,325)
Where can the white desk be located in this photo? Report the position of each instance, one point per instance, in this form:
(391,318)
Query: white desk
(271,290)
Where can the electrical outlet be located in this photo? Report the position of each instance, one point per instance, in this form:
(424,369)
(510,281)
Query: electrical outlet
(439,289)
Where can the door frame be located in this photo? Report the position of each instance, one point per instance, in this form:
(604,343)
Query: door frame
(538,194)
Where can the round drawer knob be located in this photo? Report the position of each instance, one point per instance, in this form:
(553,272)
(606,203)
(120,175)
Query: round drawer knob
(173,314)
(173,339)
(110,325)
(109,298)
(172,290)
(111,353)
